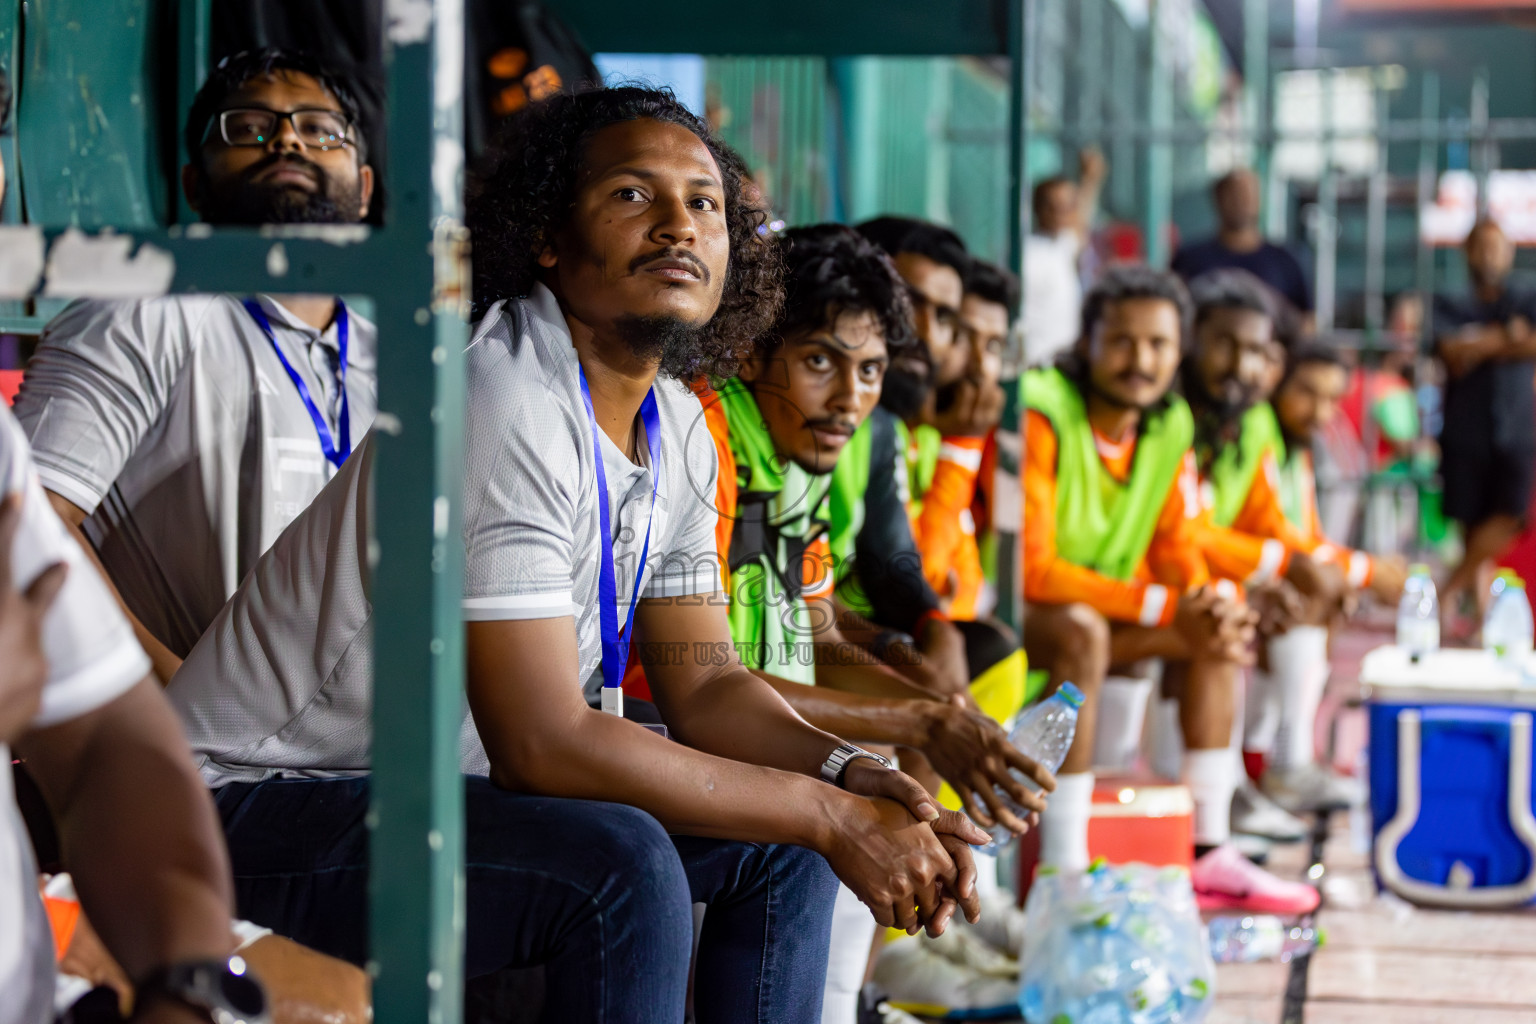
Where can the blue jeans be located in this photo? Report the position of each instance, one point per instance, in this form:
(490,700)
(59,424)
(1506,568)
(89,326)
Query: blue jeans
(596,893)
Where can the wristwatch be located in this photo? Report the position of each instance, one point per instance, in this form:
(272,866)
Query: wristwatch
(836,765)
(886,639)
(223,989)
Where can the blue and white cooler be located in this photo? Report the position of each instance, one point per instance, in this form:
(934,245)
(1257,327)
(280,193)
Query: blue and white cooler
(1451,778)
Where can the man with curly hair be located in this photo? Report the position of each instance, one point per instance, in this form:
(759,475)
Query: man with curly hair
(779,427)
(613,234)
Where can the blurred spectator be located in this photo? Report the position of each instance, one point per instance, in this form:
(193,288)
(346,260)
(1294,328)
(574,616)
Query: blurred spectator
(1379,401)
(1053,290)
(1240,244)
(1488,441)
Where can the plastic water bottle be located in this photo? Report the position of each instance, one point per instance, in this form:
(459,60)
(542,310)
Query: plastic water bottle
(1507,628)
(1246,940)
(1418,614)
(1044,734)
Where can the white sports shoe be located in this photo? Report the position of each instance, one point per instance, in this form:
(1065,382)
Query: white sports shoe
(1001,925)
(960,944)
(1311,787)
(891,1015)
(1255,814)
(917,978)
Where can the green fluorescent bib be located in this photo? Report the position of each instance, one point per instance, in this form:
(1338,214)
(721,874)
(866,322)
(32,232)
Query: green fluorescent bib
(1233,471)
(1293,470)
(850,479)
(1102,524)
(922,458)
(780,510)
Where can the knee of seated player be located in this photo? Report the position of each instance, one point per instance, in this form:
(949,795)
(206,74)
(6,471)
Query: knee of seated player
(623,850)
(1085,632)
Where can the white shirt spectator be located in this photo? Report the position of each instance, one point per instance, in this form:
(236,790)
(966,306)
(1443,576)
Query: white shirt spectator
(1053,296)
(282,682)
(92,660)
(174,425)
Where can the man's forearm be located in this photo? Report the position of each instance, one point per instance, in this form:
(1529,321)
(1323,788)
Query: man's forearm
(138,830)
(735,714)
(865,718)
(690,791)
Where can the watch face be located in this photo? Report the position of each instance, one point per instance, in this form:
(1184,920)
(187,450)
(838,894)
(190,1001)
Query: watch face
(242,995)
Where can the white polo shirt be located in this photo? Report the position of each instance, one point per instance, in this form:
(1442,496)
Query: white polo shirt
(281,685)
(92,659)
(173,423)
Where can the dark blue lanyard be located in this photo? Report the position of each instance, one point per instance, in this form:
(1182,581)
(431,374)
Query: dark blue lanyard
(615,640)
(333,455)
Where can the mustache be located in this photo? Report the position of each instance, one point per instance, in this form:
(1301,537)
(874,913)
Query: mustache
(838,424)
(672,253)
(291,159)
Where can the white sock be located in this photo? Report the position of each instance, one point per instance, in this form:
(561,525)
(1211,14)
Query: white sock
(1262,712)
(853,931)
(1122,713)
(1167,738)
(1211,776)
(1064,825)
(1298,660)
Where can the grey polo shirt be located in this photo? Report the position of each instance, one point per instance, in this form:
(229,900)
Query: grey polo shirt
(92,659)
(282,682)
(174,425)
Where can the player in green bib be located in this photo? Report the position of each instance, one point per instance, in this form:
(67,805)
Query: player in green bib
(1113,575)
(1294,580)
(779,428)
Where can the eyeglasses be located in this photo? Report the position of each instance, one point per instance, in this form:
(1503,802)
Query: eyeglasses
(257,126)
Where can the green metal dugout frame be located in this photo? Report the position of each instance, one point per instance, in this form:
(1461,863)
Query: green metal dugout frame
(415,270)
(865,28)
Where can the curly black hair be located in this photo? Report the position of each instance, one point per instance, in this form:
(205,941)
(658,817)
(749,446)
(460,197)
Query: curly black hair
(1122,284)
(991,283)
(897,235)
(234,71)
(1137,281)
(831,269)
(525,190)
(1230,289)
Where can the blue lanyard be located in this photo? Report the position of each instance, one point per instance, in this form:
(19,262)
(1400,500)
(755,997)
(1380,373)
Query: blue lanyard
(615,640)
(333,455)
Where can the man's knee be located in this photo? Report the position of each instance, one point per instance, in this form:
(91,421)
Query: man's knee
(1085,630)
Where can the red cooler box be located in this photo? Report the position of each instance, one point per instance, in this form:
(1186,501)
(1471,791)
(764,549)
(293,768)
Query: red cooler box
(1146,821)
(1135,820)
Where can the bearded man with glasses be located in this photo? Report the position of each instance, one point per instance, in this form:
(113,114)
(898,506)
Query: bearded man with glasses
(178,436)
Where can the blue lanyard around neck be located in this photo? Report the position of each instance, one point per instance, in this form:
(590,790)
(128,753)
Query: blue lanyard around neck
(333,454)
(616,640)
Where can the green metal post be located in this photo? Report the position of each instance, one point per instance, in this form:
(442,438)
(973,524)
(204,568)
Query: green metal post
(193,28)
(1023,22)
(417,815)
(1158,197)
(1256,84)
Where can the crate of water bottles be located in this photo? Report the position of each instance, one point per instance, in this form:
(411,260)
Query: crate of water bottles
(1452,816)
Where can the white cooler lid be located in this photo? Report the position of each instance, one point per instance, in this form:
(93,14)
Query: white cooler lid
(1446,676)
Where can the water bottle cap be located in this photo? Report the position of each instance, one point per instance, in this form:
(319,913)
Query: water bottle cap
(1071,695)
